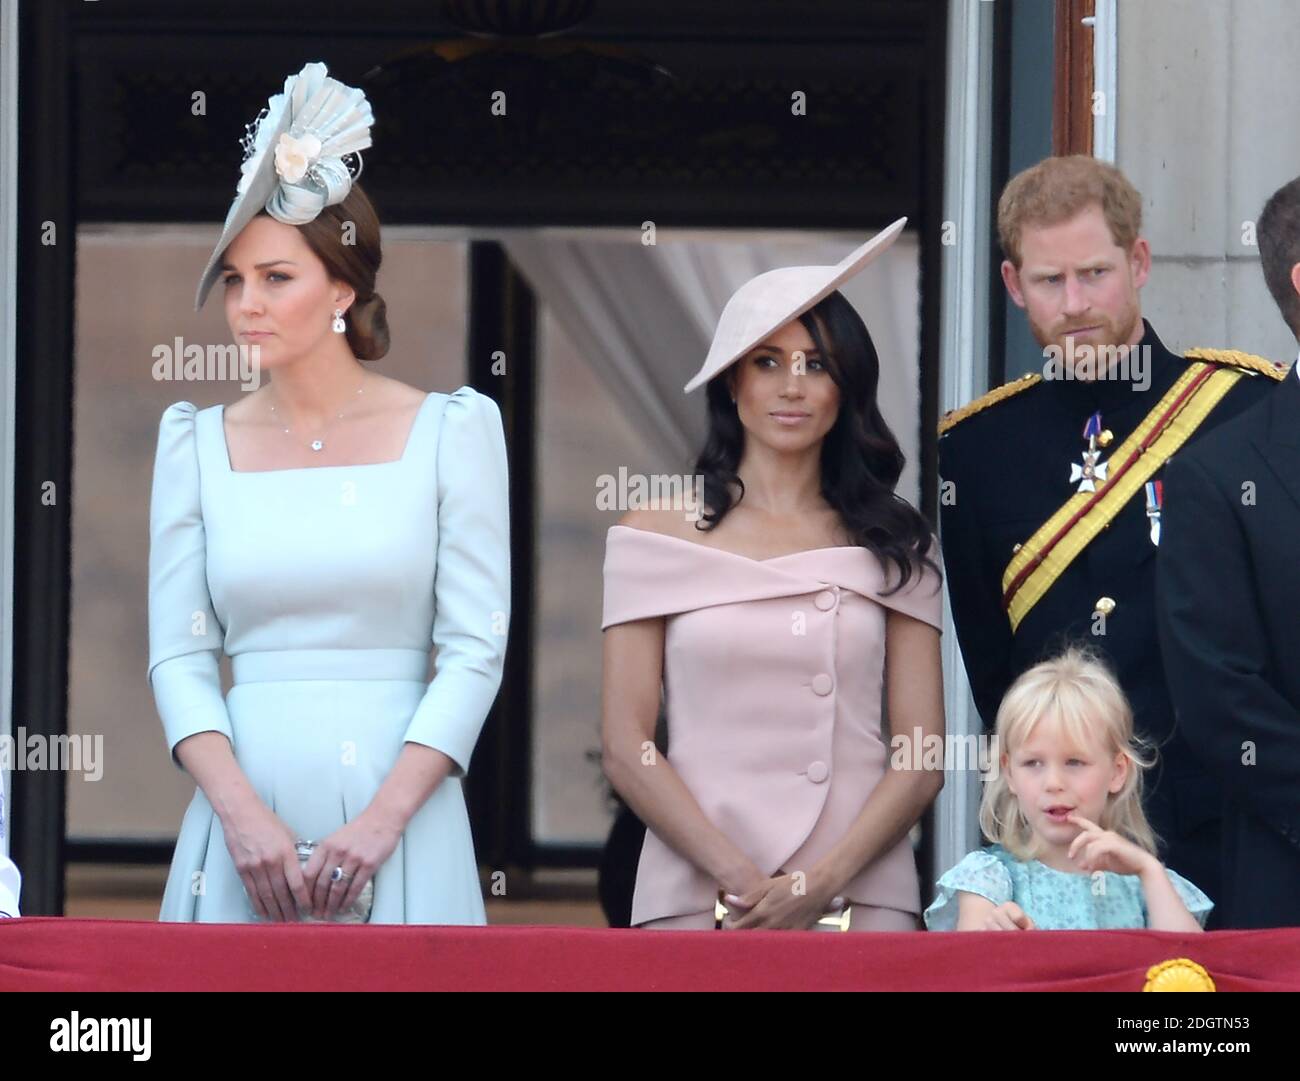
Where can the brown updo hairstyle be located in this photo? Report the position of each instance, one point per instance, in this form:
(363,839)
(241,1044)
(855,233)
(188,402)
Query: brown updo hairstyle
(356,264)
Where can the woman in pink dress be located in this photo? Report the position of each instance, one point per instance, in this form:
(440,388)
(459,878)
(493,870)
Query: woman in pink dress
(776,623)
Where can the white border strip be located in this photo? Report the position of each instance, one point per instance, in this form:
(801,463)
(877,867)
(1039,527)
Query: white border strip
(1105,77)
(963,355)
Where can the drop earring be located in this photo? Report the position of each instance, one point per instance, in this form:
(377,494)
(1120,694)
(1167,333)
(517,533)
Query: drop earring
(338,326)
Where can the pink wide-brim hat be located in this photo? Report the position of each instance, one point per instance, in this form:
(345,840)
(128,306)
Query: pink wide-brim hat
(766,303)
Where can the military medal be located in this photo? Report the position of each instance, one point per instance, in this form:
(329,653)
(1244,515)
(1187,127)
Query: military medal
(1155,490)
(1092,471)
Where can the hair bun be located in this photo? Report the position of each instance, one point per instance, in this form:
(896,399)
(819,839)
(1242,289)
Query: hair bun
(368,327)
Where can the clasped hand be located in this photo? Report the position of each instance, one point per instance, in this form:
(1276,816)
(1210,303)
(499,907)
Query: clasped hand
(785,902)
(281,889)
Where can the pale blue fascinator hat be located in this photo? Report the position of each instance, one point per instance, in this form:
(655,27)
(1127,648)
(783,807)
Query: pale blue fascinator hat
(301,154)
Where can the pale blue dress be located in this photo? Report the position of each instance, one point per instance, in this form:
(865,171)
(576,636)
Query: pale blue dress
(1054,900)
(326,586)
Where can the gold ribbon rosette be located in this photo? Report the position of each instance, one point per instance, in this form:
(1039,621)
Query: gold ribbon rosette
(1178,974)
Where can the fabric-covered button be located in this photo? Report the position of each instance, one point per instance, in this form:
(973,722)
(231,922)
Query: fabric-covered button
(818,771)
(822,683)
(825,600)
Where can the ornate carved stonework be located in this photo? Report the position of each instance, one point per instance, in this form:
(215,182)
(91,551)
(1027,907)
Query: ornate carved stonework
(597,129)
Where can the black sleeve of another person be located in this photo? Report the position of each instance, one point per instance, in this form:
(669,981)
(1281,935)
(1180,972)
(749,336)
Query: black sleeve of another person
(1215,650)
(974,588)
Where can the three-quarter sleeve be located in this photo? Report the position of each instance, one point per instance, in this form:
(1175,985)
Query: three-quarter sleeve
(185,637)
(11,882)
(472,579)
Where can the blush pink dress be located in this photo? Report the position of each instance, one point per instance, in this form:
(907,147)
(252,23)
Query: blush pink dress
(774,675)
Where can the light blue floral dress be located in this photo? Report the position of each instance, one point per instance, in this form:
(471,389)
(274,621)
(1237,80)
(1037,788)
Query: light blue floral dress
(1054,900)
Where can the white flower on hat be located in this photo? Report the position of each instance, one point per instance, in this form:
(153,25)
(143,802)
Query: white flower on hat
(294,177)
(294,156)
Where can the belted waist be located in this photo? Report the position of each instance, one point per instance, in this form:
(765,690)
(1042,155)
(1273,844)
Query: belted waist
(278,664)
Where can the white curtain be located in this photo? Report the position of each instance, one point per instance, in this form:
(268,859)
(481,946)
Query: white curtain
(643,315)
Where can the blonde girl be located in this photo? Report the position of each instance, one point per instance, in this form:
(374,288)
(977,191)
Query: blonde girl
(1072,847)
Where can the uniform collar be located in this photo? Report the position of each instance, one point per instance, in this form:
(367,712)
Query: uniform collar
(1115,391)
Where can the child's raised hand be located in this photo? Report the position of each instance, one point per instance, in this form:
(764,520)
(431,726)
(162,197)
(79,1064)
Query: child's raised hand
(1008,916)
(1096,849)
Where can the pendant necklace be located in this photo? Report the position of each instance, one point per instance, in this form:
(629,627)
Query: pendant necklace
(318,444)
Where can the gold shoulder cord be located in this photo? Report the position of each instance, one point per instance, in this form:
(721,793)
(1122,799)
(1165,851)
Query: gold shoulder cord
(997,394)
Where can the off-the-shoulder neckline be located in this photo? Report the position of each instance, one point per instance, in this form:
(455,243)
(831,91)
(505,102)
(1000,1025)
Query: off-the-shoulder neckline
(406,448)
(738,555)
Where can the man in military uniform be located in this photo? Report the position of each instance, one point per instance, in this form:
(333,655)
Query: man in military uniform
(1227,612)
(1052,492)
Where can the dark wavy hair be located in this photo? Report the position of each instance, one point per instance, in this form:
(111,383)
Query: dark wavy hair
(860,459)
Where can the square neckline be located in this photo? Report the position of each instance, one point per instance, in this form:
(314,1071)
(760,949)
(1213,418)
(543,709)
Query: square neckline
(406,449)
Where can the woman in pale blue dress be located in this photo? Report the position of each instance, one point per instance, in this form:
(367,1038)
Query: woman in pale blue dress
(324,532)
